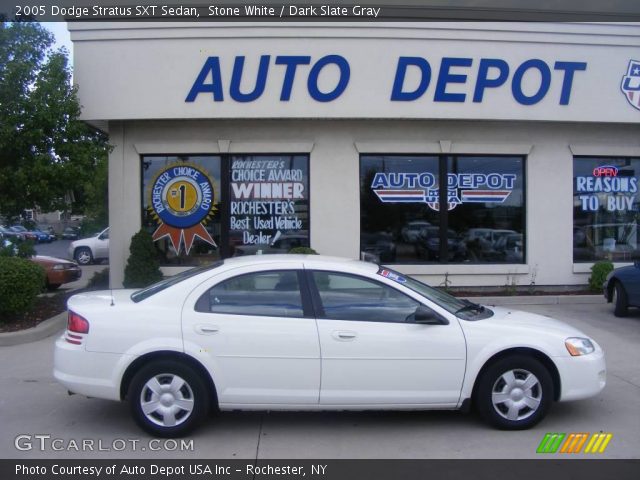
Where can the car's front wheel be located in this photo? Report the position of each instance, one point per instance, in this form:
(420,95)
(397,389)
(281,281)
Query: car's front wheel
(168,398)
(514,393)
(83,256)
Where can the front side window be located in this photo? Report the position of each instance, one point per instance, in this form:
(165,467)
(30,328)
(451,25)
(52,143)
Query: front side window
(605,209)
(274,294)
(481,219)
(348,297)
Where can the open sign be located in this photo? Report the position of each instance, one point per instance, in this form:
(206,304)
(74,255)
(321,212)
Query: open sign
(605,171)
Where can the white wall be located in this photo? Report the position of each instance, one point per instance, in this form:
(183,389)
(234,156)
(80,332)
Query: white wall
(334,178)
(130,71)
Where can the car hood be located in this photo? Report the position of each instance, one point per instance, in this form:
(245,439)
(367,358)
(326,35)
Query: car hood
(44,259)
(533,322)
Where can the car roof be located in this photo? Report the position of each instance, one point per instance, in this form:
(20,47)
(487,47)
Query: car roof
(314,261)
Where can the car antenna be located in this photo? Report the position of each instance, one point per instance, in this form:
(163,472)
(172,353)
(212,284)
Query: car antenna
(112,303)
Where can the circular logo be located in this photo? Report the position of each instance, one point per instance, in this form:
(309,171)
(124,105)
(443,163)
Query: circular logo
(182,196)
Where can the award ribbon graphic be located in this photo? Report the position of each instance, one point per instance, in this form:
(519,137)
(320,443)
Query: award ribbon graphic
(182,199)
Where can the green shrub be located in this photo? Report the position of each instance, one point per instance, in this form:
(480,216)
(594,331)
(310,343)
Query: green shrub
(17,248)
(20,283)
(303,250)
(599,273)
(99,280)
(143,267)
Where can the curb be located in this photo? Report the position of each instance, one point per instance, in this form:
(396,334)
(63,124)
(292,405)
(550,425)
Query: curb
(42,330)
(540,300)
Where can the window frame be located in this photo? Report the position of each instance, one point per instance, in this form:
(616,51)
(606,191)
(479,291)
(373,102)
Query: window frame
(600,159)
(225,185)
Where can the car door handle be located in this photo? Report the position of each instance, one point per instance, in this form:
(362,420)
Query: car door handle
(204,329)
(344,335)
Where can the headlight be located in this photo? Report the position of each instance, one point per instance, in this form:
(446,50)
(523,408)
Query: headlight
(579,346)
(59,266)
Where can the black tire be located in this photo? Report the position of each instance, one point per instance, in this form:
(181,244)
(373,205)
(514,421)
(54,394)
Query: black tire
(193,393)
(620,300)
(83,256)
(492,380)
(53,286)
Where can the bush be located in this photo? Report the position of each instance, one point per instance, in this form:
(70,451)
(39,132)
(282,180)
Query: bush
(99,280)
(599,273)
(17,248)
(303,250)
(20,283)
(142,267)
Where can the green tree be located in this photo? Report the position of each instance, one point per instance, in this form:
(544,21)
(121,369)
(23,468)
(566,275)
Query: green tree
(46,152)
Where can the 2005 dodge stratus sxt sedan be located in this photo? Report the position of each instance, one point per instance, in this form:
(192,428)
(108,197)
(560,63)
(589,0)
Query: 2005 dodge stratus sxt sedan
(289,332)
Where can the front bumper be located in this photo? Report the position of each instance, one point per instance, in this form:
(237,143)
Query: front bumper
(582,377)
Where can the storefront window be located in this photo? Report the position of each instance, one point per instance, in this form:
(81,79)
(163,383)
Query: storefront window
(401,218)
(200,208)
(605,209)
(269,203)
(181,207)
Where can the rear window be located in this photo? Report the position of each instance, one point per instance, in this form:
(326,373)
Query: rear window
(171,281)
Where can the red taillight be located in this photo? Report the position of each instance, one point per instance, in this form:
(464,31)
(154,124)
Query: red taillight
(77,324)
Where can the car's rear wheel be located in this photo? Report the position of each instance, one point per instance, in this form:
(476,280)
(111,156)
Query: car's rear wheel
(168,398)
(619,300)
(83,256)
(514,393)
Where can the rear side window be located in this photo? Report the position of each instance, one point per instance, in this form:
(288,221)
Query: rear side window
(273,294)
(349,297)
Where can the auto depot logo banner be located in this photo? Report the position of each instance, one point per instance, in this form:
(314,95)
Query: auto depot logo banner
(182,201)
(461,188)
(630,85)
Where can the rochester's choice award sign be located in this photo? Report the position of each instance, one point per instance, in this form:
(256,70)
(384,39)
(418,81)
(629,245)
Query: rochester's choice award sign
(182,201)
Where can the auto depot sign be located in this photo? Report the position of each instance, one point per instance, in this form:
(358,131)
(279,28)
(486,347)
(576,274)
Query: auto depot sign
(283,75)
(529,82)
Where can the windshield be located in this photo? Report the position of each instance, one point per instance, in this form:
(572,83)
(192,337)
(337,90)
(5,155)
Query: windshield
(169,282)
(463,309)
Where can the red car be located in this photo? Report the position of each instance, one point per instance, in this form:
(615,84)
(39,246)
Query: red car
(59,271)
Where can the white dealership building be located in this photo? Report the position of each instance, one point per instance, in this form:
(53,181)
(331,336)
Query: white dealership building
(483,154)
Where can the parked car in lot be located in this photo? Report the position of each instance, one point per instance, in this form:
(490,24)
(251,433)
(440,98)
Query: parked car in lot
(58,271)
(295,332)
(70,233)
(622,288)
(26,234)
(92,249)
(8,234)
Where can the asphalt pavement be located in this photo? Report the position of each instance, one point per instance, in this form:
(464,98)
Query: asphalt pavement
(40,420)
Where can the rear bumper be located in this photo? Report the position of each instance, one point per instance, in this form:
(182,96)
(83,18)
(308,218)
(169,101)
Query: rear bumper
(582,377)
(87,373)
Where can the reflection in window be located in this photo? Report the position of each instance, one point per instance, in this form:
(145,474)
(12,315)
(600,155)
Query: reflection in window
(605,209)
(274,294)
(488,224)
(401,214)
(347,297)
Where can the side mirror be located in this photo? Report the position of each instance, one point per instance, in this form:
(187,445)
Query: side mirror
(426,316)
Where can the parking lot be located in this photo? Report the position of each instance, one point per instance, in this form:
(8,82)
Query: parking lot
(33,404)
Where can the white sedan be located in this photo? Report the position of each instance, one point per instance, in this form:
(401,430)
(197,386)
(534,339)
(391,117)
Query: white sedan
(290,332)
